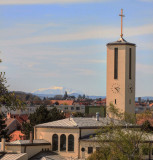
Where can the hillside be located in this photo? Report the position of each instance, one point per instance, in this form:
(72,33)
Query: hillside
(26,96)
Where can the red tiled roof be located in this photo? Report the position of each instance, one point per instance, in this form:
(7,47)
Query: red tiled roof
(136,104)
(21,118)
(141,121)
(144,117)
(64,102)
(17,135)
(84,103)
(9,121)
(151,104)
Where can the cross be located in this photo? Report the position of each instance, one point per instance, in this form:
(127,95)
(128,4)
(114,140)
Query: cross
(121,22)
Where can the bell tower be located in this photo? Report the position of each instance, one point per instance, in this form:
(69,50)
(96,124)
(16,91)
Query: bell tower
(121,61)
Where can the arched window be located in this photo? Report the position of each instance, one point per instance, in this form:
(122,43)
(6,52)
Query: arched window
(55,142)
(70,142)
(63,142)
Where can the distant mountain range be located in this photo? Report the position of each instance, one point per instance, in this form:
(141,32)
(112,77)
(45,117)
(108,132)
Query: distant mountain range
(73,94)
(55,90)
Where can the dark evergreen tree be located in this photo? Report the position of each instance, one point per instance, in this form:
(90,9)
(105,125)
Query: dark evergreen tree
(42,115)
(9,100)
(65,95)
(83,96)
(146,126)
(79,97)
(3,131)
(78,114)
(27,97)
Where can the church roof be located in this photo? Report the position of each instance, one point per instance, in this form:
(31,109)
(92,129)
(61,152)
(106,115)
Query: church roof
(121,41)
(49,155)
(27,142)
(14,156)
(80,122)
(94,137)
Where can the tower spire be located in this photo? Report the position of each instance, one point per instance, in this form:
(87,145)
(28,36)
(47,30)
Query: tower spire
(121,22)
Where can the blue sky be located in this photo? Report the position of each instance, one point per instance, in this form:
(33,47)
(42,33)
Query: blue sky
(47,43)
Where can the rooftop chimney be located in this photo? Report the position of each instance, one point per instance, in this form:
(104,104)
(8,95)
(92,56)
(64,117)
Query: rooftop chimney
(8,115)
(31,137)
(3,144)
(97,116)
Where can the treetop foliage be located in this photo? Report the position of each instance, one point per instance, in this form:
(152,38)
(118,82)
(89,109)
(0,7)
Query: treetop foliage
(118,143)
(42,115)
(8,99)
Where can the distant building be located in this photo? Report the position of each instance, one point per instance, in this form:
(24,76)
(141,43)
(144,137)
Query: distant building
(69,108)
(29,109)
(139,100)
(14,125)
(62,102)
(151,106)
(91,110)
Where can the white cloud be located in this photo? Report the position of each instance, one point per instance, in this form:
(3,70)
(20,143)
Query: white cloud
(53,88)
(145,45)
(71,61)
(80,33)
(3,68)
(145,68)
(83,33)
(96,61)
(84,72)
(146,0)
(23,2)
(139,30)
(20,55)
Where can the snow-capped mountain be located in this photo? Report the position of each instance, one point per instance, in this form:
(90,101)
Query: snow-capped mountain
(55,90)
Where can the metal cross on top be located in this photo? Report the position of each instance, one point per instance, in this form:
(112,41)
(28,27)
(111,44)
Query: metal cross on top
(121,22)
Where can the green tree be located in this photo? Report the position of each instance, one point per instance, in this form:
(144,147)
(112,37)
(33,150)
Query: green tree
(9,100)
(3,131)
(95,156)
(83,96)
(78,114)
(42,115)
(79,96)
(146,126)
(121,139)
(27,97)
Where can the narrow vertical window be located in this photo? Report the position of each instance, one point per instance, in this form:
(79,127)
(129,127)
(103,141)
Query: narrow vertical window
(115,101)
(55,142)
(116,63)
(90,150)
(70,142)
(130,62)
(63,142)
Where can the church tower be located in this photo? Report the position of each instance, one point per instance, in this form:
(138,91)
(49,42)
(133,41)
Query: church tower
(121,61)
